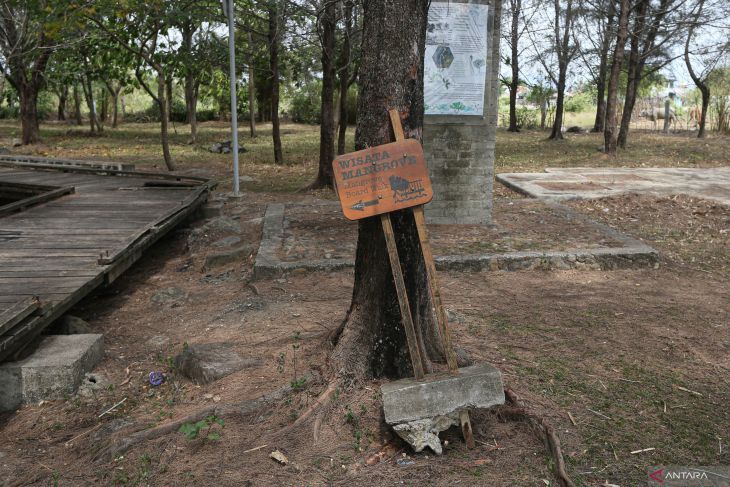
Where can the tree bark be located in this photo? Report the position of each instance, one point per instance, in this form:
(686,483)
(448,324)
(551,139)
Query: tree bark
(94,125)
(62,97)
(29,114)
(162,87)
(251,89)
(516,6)
(77,106)
(191,83)
(563,54)
(371,341)
(327,110)
(698,81)
(642,44)
(599,123)
(115,108)
(345,80)
(609,134)
(274,39)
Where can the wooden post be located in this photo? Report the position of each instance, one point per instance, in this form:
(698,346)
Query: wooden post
(438,309)
(400,287)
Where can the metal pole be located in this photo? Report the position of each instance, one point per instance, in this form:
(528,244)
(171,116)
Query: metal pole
(234,109)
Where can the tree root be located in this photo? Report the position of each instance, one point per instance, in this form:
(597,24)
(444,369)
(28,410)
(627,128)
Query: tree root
(120,445)
(543,430)
(321,401)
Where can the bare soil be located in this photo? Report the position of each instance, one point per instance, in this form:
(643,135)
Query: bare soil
(617,361)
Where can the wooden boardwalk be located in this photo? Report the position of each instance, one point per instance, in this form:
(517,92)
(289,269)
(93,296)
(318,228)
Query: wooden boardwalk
(56,252)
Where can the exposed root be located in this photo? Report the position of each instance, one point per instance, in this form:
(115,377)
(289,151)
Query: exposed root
(543,430)
(322,400)
(121,444)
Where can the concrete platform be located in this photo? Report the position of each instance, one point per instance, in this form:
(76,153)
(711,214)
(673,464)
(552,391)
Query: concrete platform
(629,253)
(478,386)
(587,183)
(53,371)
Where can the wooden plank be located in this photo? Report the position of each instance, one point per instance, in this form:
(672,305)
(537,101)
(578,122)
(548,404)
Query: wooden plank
(437,309)
(119,253)
(17,313)
(400,287)
(5,274)
(34,200)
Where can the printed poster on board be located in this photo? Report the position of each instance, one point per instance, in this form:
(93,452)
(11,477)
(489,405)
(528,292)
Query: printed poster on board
(455,65)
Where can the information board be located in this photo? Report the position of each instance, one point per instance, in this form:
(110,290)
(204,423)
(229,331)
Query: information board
(382,179)
(455,64)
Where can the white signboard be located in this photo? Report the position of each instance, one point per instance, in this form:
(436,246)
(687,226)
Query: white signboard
(455,66)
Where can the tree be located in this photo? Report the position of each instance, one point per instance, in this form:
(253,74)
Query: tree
(560,51)
(519,23)
(653,33)
(370,341)
(348,66)
(327,23)
(30,32)
(609,133)
(274,34)
(705,47)
(598,30)
(140,27)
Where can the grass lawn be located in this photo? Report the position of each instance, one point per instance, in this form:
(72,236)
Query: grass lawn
(527,151)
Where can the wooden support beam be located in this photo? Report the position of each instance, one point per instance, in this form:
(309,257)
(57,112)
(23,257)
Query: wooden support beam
(400,287)
(437,309)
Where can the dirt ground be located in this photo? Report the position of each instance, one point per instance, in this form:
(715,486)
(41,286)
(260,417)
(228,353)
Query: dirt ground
(617,361)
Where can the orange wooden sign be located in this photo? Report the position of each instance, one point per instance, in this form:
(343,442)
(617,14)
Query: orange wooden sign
(382,179)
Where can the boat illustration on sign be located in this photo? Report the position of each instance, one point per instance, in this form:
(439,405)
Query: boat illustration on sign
(404,190)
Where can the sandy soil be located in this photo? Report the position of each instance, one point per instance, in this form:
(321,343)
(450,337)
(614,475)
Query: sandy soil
(618,361)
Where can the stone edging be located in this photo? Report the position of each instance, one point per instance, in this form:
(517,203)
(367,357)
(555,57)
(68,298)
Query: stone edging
(633,254)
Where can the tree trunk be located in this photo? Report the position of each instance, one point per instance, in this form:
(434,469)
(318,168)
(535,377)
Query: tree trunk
(557,132)
(115,108)
(609,134)
(344,70)
(29,114)
(563,54)
(274,36)
(164,120)
(77,106)
(327,111)
(514,83)
(104,106)
(642,45)
(62,97)
(599,123)
(191,106)
(251,89)
(89,95)
(371,341)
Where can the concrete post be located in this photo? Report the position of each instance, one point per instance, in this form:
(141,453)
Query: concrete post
(460,148)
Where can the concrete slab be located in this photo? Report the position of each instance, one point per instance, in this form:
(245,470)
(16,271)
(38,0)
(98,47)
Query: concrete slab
(631,253)
(587,183)
(53,371)
(408,400)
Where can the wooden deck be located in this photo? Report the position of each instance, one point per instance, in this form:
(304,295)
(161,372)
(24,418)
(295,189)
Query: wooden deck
(56,252)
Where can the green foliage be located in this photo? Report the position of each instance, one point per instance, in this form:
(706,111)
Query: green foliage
(298,384)
(527,117)
(579,102)
(193,430)
(305,103)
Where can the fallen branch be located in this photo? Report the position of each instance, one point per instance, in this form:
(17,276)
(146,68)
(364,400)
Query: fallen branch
(319,402)
(544,431)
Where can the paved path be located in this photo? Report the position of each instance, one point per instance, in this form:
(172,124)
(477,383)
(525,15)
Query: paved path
(586,183)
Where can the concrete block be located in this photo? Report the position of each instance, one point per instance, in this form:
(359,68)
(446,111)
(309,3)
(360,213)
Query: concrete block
(53,371)
(406,400)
